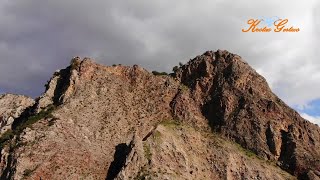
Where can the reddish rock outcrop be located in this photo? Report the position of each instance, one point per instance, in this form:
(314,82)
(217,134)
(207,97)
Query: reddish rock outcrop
(239,104)
(103,122)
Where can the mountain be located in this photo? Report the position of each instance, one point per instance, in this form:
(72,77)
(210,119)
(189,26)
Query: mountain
(11,107)
(213,118)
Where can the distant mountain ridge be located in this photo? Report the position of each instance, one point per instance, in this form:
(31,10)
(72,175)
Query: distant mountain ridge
(213,118)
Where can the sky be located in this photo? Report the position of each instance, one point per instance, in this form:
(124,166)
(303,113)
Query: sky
(38,37)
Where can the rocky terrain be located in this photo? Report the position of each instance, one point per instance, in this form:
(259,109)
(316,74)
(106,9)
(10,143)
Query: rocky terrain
(11,107)
(213,118)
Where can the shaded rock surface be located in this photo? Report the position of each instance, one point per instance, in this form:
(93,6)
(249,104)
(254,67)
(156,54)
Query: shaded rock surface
(11,107)
(120,122)
(239,104)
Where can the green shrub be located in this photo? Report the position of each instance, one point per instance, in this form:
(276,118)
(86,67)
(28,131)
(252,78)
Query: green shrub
(44,114)
(175,69)
(159,73)
(5,137)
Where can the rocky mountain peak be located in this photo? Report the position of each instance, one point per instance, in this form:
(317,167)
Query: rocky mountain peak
(64,82)
(214,117)
(238,103)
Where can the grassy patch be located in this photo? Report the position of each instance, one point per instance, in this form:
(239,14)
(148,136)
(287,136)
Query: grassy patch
(170,123)
(147,152)
(156,135)
(247,152)
(183,87)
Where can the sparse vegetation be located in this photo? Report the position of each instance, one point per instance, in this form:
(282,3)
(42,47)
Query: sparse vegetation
(9,134)
(143,174)
(183,87)
(52,121)
(159,73)
(75,63)
(5,137)
(175,69)
(27,172)
(156,135)
(147,152)
(44,114)
(249,153)
(170,123)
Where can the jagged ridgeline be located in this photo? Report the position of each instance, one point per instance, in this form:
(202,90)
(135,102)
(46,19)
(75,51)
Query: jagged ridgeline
(212,118)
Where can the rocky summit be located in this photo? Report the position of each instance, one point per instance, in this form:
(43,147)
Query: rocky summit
(212,118)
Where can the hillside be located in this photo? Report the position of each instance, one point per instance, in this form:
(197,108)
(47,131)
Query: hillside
(213,118)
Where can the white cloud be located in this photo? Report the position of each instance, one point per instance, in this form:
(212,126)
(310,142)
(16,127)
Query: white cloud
(37,37)
(313,119)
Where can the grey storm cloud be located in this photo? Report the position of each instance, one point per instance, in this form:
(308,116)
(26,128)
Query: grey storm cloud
(37,37)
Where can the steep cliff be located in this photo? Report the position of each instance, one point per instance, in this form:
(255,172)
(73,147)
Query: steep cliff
(214,118)
(11,107)
(238,103)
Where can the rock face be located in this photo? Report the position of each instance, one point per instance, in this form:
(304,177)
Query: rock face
(239,104)
(177,151)
(214,118)
(11,107)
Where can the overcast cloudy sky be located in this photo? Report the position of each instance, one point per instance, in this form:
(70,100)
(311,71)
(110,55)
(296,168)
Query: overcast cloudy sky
(37,37)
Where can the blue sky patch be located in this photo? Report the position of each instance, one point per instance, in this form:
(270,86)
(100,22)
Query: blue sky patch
(312,109)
